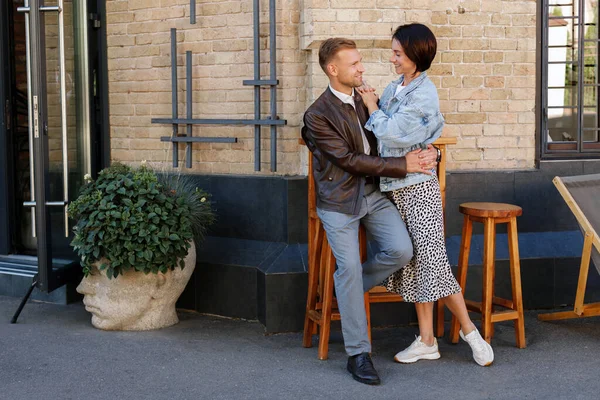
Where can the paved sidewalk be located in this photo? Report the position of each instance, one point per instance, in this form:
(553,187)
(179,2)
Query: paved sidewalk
(55,353)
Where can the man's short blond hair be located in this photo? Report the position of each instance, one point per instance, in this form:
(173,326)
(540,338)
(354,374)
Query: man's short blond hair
(329,49)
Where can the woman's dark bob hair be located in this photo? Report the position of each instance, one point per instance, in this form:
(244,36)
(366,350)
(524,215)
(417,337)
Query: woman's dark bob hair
(419,44)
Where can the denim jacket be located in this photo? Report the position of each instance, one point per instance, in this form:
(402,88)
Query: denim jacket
(406,122)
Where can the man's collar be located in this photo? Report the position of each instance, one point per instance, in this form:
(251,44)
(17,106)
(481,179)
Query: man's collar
(345,98)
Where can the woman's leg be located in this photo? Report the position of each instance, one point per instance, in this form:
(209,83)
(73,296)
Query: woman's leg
(425,346)
(425,317)
(456,304)
(482,351)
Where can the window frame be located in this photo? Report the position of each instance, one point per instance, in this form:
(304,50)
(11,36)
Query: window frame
(565,150)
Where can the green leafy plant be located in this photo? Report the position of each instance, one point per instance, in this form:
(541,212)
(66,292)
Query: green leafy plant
(130,220)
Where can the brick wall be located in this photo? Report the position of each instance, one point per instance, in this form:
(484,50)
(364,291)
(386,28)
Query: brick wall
(485,74)
(222,45)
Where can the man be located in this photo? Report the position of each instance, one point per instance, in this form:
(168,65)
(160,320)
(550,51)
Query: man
(345,169)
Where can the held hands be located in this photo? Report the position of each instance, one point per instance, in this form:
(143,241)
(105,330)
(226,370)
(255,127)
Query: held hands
(370,98)
(422,161)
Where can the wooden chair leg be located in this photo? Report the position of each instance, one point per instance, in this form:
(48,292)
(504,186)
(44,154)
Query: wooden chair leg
(489,237)
(313,282)
(463,265)
(515,277)
(329,267)
(368,312)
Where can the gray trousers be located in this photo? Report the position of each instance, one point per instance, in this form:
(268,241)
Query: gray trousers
(352,279)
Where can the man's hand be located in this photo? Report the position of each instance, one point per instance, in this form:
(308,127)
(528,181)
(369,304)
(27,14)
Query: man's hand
(422,161)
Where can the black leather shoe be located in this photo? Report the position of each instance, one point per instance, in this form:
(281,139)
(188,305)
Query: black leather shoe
(362,369)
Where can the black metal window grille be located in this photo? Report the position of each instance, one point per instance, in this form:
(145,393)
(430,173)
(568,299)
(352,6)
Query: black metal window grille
(271,120)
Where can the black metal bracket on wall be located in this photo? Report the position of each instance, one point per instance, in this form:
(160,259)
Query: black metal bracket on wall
(272,119)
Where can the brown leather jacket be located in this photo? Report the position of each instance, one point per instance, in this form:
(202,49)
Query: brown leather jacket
(340,165)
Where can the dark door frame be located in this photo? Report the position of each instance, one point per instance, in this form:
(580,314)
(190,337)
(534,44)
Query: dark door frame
(6,164)
(100,133)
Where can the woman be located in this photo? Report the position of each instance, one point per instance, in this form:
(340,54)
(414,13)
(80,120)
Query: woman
(407,117)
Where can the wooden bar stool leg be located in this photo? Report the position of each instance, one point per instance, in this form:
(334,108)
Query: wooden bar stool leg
(463,265)
(329,267)
(489,237)
(515,277)
(493,273)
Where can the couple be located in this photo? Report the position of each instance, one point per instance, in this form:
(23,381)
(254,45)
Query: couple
(356,137)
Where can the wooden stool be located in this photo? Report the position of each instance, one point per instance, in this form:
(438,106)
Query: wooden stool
(490,214)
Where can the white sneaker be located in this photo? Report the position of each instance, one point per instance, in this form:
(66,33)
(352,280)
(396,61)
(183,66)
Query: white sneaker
(482,351)
(418,351)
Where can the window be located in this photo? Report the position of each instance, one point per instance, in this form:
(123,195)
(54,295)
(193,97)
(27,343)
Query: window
(570,88)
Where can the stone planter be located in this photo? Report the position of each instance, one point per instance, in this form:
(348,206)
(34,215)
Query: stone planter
(135,301)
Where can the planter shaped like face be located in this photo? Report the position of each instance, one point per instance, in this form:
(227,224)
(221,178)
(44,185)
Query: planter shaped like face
(135,301)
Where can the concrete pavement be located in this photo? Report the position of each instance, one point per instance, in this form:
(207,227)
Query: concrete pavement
(55,353)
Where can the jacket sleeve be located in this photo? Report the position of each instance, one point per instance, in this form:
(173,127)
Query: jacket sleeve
(404,128)
(320,133)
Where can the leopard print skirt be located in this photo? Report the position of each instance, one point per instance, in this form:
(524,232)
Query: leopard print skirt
(428,276)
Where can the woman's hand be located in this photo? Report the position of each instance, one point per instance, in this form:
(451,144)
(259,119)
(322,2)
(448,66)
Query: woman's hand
(369,97)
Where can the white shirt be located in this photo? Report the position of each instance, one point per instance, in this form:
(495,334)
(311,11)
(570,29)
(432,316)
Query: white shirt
(350,100)
(399,88)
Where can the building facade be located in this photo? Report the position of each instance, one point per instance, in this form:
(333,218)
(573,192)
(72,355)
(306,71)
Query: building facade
(515,89)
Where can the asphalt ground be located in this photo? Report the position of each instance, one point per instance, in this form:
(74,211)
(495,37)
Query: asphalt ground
(53,352)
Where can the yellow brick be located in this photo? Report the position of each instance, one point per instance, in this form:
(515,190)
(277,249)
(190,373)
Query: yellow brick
(503,44)
(448,106)
(501,19)
(421,16)
(370,15)
(465,118)
(467,155)
(472,69)
(523,94)
(447,31)
(220,8)
(469,19)
(347,4)
(491,6)
(521,105)
(502,69)
(502,118)
(494,31)
(494,81)
(441,69)
(472,56)
(470,44)
(494,56)
(472,31)
(496,143)
(468,106)
(401,4)
(500,94)
(439,18)
(523,20)
(519,7)
(472,81)
(452,57)
(493,130)
(520,81)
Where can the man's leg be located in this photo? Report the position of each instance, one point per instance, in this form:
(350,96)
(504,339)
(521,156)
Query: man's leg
(342,234)
(384,223)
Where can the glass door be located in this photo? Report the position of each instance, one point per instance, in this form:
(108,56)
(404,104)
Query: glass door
(51,137)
